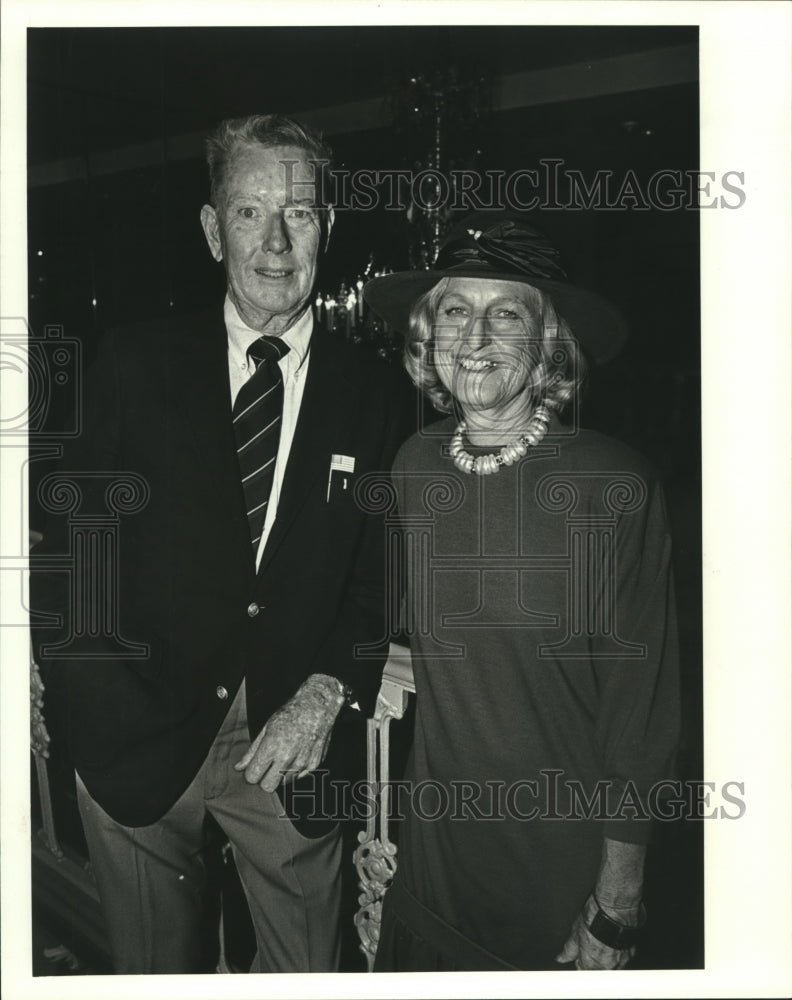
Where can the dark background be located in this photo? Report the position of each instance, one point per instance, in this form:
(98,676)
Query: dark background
(115,119)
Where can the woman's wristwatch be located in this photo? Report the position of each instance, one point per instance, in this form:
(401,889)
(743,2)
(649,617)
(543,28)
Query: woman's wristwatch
(611,932)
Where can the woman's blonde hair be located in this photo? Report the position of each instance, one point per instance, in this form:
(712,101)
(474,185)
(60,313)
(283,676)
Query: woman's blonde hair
(558,364)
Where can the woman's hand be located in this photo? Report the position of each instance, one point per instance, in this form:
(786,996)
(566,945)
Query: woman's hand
(618,893)
(585,950)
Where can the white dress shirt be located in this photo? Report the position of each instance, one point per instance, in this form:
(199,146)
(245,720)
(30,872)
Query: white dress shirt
(294,367)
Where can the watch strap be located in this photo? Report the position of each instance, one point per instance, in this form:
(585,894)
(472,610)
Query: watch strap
(611,932)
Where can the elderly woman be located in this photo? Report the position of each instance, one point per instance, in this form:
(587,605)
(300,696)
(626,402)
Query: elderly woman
(546,679)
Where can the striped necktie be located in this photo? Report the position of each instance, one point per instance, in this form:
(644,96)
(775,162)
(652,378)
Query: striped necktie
(257,413)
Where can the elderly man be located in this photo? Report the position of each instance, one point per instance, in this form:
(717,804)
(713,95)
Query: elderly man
(250,576)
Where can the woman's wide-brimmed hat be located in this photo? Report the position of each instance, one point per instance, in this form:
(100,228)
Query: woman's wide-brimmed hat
(502,246)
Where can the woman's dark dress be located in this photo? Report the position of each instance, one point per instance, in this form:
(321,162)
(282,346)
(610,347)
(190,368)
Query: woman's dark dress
(550,659)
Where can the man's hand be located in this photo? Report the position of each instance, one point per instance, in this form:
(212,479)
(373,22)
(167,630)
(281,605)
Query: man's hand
(295,739)
(586,951)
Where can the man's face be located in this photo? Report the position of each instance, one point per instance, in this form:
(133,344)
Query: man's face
(266,229)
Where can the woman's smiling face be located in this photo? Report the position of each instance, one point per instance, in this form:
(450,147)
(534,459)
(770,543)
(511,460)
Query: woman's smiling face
(486,336)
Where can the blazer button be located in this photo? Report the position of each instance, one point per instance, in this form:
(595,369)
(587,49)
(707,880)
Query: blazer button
(253,609)
(221,692)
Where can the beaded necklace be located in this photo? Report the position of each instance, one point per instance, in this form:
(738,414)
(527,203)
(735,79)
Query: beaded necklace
(485,465)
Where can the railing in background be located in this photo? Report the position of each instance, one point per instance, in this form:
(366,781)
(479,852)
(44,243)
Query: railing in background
(375,858)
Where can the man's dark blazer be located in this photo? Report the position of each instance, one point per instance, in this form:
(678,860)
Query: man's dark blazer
(158,405)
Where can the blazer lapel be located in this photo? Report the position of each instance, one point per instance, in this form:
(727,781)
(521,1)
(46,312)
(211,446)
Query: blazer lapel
(202,393)
(324,410)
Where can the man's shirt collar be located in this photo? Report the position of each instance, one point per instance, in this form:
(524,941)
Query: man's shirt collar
(241,336)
